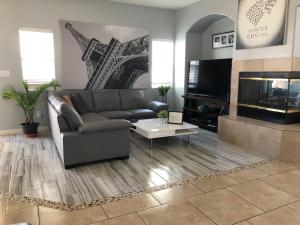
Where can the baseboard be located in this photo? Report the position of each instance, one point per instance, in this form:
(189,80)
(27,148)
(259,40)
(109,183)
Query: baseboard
(20,131)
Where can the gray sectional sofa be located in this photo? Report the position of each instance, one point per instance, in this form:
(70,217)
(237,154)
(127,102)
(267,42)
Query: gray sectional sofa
(97,126)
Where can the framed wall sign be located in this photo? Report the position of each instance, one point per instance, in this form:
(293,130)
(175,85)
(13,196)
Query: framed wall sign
(261,23)
(223,40)
(175,118)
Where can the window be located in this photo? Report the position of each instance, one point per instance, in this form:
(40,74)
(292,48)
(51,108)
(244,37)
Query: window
(37,55)
(162,62)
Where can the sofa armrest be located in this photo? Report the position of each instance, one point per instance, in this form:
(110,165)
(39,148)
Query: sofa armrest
(106,125)
(157,106)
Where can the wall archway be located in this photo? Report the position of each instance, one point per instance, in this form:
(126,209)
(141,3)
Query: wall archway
(199,37)
(199,40)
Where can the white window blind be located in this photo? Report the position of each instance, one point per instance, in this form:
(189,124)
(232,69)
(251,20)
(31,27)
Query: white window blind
(162,62)
(37,55)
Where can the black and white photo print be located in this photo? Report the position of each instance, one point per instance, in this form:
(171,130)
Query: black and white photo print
(99,56)
(261,23)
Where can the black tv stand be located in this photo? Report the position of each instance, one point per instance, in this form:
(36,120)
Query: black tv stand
(204,111)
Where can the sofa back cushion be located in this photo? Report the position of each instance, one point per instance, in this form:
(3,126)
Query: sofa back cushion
(67,110)
(87,98)
(107,100)
(84,95)
(71,116)
(132,99)
(80,105)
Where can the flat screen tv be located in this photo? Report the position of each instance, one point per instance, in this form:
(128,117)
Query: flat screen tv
(210,77)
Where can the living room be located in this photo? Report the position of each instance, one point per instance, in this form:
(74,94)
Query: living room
(150,112)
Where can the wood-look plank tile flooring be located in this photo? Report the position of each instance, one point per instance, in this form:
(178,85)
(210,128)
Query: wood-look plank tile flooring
(31,167)
(265,195)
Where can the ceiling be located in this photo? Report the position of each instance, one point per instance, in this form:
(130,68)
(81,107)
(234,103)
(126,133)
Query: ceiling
(166,4)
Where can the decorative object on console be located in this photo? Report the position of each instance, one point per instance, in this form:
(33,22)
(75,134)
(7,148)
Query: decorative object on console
(270,96)
(175,118)
(163,92)
(27,100)
(163,115)
(223,40)
(261,23)
(113,57)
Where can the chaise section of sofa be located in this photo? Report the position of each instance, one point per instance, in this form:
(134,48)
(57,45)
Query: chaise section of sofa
(86,131)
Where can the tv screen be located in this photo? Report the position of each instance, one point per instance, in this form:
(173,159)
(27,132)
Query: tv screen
(210,77)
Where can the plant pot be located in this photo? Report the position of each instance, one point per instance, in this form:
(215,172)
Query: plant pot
(30,129)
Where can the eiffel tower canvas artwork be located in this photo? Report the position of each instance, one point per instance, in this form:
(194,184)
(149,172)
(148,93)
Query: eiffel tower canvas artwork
(114,59)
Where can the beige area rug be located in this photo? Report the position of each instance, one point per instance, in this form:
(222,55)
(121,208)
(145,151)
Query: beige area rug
(30,169)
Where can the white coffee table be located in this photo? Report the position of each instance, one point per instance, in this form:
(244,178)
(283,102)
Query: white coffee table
(153,128)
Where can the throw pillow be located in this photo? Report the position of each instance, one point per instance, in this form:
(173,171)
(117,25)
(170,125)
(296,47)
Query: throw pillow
(68,99)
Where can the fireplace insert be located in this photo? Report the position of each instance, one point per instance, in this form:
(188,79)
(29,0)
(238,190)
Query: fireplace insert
(270,96)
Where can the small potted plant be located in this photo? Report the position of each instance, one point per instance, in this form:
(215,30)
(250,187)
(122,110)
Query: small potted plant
(163,92)
(163,115)
(27,99)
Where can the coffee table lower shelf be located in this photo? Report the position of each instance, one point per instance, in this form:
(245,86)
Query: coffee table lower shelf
(152,129)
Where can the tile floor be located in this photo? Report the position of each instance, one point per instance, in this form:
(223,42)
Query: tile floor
(266,195)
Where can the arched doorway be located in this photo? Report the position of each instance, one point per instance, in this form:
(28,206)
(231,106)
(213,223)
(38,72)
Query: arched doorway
(210,85)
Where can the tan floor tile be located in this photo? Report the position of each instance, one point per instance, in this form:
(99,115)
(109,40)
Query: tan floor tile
(129,205)
(224,207)
(29,215)
(297,165)
(214,183)
(243,223)
(2,205)
(295,205)
(295,172)
(129,219)
(177,213)
(262,195)
(16,205)
(249,174)
(285,181)
(281,216)
(176,193)
(276,167)
(81,217)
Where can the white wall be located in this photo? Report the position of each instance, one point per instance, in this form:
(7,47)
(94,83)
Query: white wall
(193,46)
(185,19)
(220,26)
(189,15)
(44,14)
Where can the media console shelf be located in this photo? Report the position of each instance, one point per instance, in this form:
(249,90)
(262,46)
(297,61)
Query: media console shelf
(204,111)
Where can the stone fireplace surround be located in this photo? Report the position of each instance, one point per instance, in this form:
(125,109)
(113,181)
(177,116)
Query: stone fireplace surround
(273,141)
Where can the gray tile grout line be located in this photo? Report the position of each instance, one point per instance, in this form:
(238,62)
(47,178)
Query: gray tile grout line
(264,212)
(38,211)
(104,211)
(200,211)
(141,218)
(279,187)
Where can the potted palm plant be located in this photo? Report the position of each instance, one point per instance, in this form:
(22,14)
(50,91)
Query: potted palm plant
(27,99)
(163,92)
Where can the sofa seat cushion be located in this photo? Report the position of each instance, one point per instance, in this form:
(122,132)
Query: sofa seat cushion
(116,114)
(92,117)
(142,114)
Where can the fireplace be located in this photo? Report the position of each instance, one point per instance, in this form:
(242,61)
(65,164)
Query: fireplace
(270,96)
